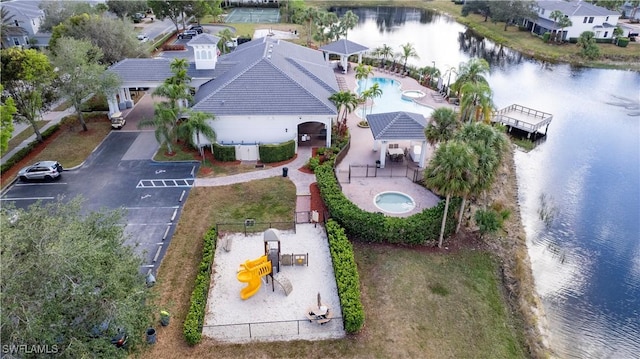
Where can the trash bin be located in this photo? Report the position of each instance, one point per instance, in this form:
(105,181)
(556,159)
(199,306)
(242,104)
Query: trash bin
(378,164)
(164,318)
(285,170)
(151,336)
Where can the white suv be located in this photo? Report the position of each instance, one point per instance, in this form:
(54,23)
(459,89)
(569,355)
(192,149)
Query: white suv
(46,170)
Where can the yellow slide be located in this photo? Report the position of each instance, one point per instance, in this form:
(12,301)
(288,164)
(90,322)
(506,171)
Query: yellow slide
(251,272)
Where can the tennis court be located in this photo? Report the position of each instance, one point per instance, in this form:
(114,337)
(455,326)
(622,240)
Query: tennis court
(247,15)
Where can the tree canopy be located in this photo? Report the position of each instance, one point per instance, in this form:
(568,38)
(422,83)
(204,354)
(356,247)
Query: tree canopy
(7,110)
(27,77)
(69,282)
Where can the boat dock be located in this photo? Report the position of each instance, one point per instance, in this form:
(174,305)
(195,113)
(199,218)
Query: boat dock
(523,118)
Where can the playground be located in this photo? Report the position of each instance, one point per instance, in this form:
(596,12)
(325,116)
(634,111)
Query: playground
(274,308)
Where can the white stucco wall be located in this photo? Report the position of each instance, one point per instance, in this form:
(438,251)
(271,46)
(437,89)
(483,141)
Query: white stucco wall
(261,129)
(579,26)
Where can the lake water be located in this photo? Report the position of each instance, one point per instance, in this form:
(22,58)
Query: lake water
(585,176)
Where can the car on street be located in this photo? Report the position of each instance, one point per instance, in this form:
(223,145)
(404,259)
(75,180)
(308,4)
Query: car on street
(143,38)
(197,28)
(187,34)
(46,170)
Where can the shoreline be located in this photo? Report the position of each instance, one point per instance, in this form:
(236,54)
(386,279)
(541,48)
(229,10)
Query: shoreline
(513,252)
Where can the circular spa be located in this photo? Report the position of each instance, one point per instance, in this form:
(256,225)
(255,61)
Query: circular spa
(394,202)
(411,95)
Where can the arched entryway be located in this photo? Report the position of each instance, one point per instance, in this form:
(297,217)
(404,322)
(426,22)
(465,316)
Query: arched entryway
(312,134)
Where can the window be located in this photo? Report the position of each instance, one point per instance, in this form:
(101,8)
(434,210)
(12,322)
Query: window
(606,33)
(585,20)
(26,40)
(16,41)
(541,11)
(591,20)
(607,19)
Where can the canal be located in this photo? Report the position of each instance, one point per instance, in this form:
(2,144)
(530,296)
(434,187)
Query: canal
(579,190)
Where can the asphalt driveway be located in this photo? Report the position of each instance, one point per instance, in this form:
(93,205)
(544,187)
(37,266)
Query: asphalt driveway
(120,174)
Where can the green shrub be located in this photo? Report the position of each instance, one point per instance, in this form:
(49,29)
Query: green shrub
(419,229)
(313,163)
(18,156)
(546,36)
(622,41)
(96,103)
(277,153)
(347,278)
(197,308)
(224,153)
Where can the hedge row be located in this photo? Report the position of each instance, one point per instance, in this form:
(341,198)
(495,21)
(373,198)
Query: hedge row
(277,153)
(419,229)
(224,153)
(347,278)
(18,156)
(197,308)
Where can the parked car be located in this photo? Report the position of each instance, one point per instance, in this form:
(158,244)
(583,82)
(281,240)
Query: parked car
(46,170)
(188,34)
(143,38)
(117,121)
(197,28)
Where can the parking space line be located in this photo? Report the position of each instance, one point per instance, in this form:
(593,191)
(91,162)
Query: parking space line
(147,208)
(165,183)
(39,184)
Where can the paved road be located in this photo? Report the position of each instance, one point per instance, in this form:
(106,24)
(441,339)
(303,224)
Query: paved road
(120,174)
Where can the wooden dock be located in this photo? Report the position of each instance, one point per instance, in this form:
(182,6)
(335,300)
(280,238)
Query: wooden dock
(523,118)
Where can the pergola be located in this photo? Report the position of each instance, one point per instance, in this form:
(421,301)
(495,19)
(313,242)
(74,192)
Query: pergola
(397,126)
(344,48)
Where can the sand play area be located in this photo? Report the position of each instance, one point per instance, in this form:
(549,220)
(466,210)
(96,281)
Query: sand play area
(271,315)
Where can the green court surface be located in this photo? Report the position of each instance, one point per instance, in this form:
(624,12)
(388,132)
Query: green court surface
(253,15)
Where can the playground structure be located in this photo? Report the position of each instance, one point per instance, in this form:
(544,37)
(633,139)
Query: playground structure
(252,271)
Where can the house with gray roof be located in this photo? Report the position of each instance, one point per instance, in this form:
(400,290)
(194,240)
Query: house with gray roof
(267,91)
(24,25)
(583,15)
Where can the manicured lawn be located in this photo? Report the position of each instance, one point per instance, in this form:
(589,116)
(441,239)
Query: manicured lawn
(417,303)
(26,133)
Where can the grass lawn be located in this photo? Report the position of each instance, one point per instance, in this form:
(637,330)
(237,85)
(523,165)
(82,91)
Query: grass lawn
(26,133)
(418,304)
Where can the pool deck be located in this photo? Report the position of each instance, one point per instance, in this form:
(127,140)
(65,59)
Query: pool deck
(362,190)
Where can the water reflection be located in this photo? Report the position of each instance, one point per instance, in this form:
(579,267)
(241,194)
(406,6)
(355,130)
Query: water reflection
(586,261)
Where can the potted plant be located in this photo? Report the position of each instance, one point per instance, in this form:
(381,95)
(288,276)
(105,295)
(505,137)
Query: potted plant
(164,318)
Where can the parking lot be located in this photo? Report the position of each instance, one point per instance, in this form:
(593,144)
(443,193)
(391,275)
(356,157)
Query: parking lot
(120,174)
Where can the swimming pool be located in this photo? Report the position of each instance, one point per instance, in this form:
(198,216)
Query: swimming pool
(391,99)
(394,202)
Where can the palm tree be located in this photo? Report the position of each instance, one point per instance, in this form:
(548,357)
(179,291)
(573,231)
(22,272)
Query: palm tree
(408,51)
(197,125)
(165,121)
(348,21)
(564,22)
(489,146)
(476,100)
(346,102)
(374,92)
(472,71)
(363,72)
(443,125)
(176,87)
(429,72)
(451,173)
(225,36)
(385,51)
(309,15)
(555,16)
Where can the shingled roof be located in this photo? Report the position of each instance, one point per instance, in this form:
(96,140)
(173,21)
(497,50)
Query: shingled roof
(344,47)
(143,72)
(397,126)
(269,77)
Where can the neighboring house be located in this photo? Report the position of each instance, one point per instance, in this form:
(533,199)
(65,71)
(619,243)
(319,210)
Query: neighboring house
(26,17)
(267,91)
(584,17)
